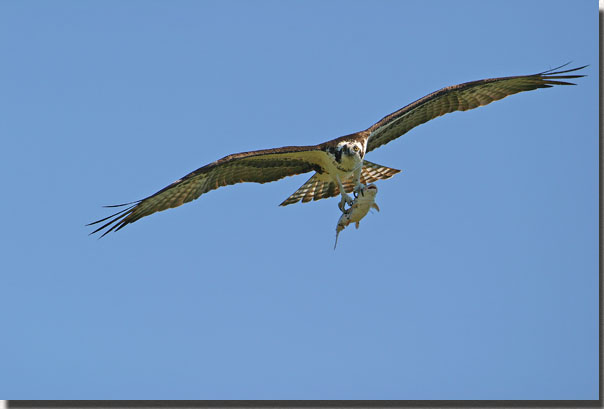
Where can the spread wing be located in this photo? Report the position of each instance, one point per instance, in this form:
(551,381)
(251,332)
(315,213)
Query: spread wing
(258,166)
(322,186)
(461,97)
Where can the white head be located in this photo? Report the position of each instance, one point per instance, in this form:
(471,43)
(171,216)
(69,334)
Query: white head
(352,149)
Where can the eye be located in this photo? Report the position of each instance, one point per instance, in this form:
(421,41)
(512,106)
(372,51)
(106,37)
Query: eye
(355,148)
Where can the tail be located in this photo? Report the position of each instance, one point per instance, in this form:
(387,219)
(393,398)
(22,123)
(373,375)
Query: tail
(322,186)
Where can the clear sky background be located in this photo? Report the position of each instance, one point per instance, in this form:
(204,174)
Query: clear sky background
(477,280)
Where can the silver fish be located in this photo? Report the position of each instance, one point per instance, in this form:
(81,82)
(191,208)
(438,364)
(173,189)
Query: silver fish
(359,209)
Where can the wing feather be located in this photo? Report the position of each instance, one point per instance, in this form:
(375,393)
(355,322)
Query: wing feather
(257,166)
(461,97)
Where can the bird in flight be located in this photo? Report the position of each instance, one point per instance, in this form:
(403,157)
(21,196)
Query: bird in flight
(339,164)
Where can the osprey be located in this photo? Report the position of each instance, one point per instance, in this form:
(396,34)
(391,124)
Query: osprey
(339,165)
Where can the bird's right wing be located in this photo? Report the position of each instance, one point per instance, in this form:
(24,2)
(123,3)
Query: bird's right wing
(258,166)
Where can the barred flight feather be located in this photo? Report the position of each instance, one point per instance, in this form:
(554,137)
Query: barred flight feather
(321,186)
(461,97)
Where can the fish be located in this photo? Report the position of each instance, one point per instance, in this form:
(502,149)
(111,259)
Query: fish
(361,205)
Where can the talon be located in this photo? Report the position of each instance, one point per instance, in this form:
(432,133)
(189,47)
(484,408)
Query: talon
(358,189)
(346,200)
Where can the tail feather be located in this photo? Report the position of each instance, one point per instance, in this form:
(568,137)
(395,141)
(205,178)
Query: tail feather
(321,186)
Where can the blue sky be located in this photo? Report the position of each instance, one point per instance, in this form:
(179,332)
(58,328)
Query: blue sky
(477,280)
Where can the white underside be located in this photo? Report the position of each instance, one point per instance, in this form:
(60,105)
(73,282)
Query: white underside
(344,170)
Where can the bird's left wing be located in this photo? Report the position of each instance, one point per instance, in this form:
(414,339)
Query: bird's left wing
(258,166)
(460,97)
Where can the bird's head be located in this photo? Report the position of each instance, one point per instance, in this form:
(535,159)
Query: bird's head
(352,149)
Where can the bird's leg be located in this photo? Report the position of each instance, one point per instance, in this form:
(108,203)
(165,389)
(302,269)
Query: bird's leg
(358,186)
(345,198)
